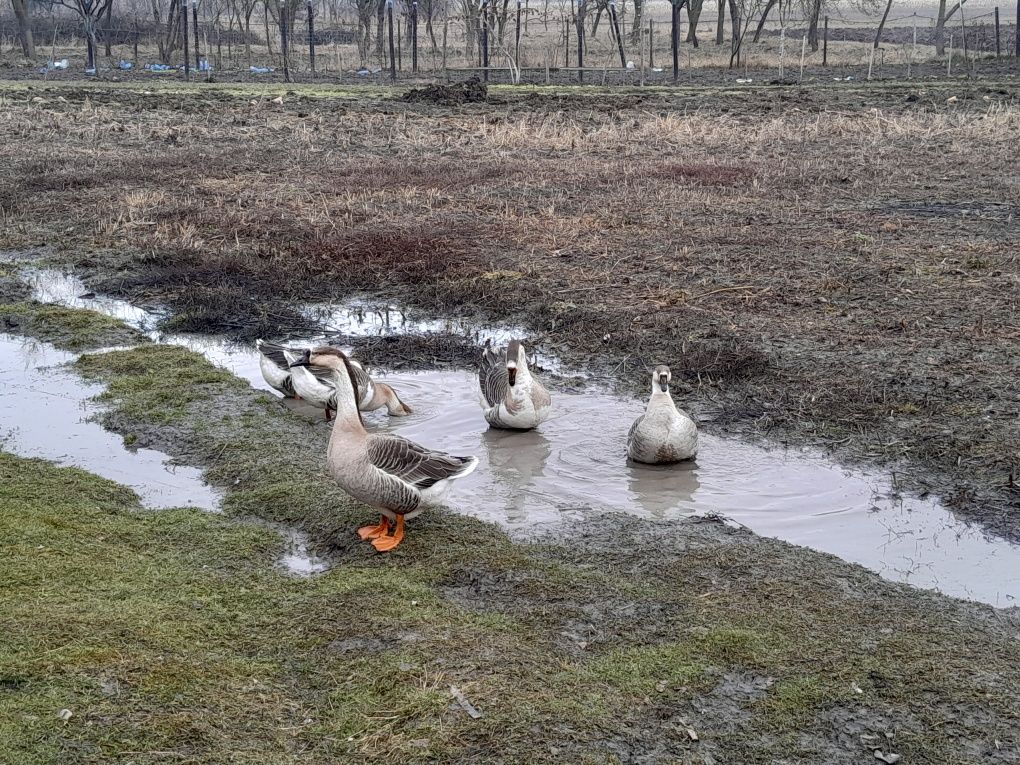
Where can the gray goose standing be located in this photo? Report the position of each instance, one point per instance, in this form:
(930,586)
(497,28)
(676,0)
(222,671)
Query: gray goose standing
(392,474)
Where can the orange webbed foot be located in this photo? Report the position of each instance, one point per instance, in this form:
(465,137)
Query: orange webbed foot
(387,542)
(371,532)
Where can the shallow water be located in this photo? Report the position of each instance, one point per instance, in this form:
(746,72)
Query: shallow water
(44,413)
(576,462)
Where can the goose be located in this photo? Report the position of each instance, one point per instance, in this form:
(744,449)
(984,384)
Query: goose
(512,397)
(663,434)
(313,384)
(275,367)
(392,474)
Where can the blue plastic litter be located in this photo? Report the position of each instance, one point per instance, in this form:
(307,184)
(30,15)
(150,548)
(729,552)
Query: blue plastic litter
(261,69)
(159,67)
(122,64)
(204,66)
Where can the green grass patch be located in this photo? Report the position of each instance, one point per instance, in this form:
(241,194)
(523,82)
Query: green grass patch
(155,384)
(69,328)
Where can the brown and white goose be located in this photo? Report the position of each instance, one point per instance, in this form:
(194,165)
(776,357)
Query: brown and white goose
(315,384)
(513,398)
(663,434)
(392,474)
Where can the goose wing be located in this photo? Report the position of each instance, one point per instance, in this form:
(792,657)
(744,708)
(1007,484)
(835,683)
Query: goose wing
(636,441)
(492,377)
(413,463)
(366,388)
(275,353)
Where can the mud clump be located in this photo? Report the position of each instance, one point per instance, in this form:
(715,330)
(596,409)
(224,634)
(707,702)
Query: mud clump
(471,91)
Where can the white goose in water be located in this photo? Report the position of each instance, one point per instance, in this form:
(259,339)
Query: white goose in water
(313,384)
(513,398)
(396,476)
(663,434)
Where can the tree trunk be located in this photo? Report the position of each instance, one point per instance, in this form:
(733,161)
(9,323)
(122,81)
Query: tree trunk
(635,32)
(107,30)
(24,28)
(881,24)
(693,14)
(380,18)
(763,19)
(720,24)
(734,24)
(940,30)
(816,10)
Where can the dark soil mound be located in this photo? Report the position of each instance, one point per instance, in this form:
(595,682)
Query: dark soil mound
(468,92)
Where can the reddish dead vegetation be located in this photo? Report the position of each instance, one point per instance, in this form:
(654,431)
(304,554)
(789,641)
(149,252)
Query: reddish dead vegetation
(390,175)
(701,172)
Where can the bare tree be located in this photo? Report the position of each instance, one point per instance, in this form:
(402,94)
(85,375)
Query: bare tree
(814,12)
(693,15)
(881,24)
(720,24)
(635,33)
(764,17)
(940,25)
(89,12)
(24,28)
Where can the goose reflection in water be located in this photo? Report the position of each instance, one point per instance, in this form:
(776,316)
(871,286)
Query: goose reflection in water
(663,490)
(517,459)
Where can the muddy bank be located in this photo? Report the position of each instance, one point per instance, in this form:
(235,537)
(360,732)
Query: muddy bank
(707,624)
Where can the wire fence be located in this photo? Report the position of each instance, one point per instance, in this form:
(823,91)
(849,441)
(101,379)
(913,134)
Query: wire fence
(513,45)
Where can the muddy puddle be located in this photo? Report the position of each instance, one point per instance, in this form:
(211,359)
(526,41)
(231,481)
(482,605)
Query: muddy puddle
(576,464)
(44,412)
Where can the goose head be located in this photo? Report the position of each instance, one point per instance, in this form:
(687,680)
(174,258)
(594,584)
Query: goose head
(661,377)
(516,362)
(336,361)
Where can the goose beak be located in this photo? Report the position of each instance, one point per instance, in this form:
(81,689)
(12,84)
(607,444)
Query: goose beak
(301,361)
(663,383)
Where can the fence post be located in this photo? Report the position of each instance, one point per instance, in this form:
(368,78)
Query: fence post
(393,58)
(803,51)
(913,48)
(825,43)
(651,44)
(283,40)
(485,39)
(400,55)
(782,52)
(580,40)
(136,44)
(311,36)
(517,36)
(616,31)
(194,20)
(997,50)
(675,38)
(187,53)
(414,36)
(566,44)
